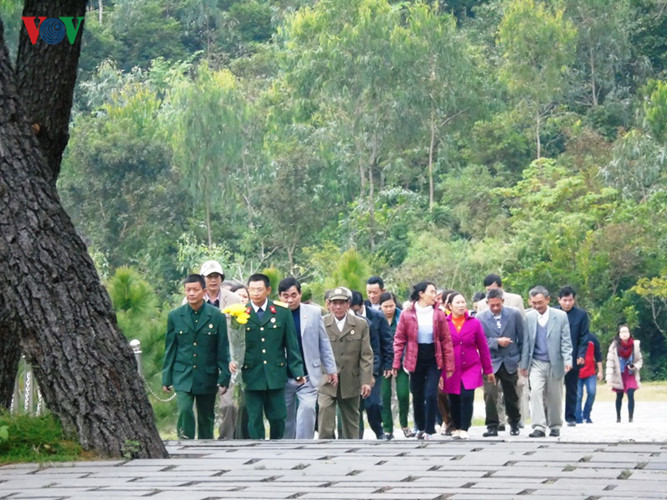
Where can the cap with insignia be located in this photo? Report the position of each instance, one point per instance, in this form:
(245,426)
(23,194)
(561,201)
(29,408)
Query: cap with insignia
(340,293)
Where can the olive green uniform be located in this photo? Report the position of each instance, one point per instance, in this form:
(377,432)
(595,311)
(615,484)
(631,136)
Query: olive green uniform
(196,361)
(271,346)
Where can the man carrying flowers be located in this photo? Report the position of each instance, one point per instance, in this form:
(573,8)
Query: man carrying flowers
(270,348)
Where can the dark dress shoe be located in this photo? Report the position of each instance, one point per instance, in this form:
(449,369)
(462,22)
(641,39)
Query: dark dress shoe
(536,434)
(491,432)
(571,423)
(514,431)
(554,433)
(501,428)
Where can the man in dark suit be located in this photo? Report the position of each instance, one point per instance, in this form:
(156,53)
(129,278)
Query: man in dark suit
(318,358)
(503,327)
(271,349)
(383,354)
(374,288)
(195,360)
(578,320)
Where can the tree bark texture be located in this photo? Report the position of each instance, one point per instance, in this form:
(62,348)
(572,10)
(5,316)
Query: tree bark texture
(44,74)
(51,295)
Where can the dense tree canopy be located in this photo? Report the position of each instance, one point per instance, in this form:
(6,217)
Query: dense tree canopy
(425,139)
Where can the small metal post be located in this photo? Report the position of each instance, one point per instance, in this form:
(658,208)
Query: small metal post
(136,347)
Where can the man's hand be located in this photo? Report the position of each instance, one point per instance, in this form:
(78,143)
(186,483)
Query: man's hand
(333,379)
(233,366)
(524,372)
(491,378)
(300,380)
(372,382)
(387,373)
(599,377)
(581,361)
(166,388)
(394,373)
(365,390)
(567,368)
(441,383)
(222,390)
(504,341)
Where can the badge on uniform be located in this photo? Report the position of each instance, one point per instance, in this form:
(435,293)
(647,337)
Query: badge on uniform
(273,320)
(351,332)
(210,325)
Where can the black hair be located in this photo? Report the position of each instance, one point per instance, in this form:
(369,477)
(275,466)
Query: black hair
(288,283)
(238,287)
(385,296)
(495,293)
(375,280)
(566,291)
(419,288)
(260,277)
(480,295)
(195,278)
(451,296)
(357,298)
(490,279)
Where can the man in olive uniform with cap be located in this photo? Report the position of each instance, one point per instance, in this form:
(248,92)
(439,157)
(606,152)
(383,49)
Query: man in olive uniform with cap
(350,341)
(196,360)
(270,347)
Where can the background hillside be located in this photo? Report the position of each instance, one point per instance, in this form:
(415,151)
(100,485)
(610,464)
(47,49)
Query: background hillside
(336,139)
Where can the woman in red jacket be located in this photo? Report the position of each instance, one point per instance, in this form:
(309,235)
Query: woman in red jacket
(423,336)
(472,357)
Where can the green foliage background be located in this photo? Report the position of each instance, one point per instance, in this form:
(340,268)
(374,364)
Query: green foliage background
(336,139)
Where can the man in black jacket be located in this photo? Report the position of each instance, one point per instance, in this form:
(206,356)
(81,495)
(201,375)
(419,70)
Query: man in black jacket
(383,354)
(578,320)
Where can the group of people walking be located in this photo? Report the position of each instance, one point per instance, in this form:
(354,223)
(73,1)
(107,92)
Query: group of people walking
(305,372)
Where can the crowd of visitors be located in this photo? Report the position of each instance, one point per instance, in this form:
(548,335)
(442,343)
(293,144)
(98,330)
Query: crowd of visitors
(311,371)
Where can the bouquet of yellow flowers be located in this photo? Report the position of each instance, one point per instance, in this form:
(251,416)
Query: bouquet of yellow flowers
(238,313)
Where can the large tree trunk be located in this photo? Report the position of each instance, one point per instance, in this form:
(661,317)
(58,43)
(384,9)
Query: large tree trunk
(45,76)
(51,296)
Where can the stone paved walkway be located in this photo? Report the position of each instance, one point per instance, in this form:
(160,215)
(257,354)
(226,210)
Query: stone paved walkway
(580,464)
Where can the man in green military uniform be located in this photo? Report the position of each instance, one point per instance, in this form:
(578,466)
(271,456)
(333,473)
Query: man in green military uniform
(196,359)
(271,347)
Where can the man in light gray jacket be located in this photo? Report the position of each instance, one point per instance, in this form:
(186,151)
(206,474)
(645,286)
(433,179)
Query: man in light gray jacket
(546,358)
(318,359)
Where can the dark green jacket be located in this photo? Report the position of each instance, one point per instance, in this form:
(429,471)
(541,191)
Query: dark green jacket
(196,359)
(271,346)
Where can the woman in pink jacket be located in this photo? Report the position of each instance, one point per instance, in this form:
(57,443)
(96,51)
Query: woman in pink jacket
(472,357)
(422,334)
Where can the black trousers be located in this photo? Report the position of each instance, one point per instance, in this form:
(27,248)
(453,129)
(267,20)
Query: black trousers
(462,406)
(571,387)
(508,382)
(424,388)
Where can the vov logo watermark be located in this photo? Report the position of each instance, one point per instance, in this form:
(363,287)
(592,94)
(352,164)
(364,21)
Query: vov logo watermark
(52,30)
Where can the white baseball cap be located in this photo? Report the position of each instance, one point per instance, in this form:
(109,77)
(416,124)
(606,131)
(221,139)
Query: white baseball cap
(210,267)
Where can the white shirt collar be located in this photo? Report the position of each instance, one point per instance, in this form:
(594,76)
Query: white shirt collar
(340,323)
(543,319)
(264,306)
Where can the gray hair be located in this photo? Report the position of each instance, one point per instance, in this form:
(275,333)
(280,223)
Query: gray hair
(539,290)
(495,293)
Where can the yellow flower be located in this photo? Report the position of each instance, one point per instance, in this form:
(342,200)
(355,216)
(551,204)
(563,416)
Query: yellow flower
(234,309)
(238,312)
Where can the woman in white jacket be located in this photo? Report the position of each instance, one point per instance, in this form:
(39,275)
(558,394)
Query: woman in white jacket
(624,360)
